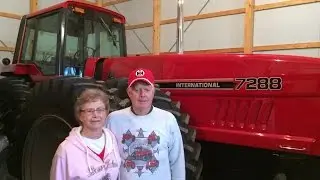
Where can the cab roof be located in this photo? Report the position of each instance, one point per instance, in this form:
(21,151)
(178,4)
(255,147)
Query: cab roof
(79,4)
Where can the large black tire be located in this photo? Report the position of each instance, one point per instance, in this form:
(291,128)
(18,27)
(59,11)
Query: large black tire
(13,94)
(49,118)
(194,164)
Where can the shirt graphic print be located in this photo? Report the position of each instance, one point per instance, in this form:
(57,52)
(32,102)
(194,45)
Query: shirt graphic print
(140,150)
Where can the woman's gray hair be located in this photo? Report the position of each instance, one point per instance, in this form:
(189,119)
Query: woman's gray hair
(90,95)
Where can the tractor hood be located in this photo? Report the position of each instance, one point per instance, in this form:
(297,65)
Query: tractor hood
(249,74)
(264,101)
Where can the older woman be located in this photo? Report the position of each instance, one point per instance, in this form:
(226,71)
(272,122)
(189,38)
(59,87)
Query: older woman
(90,151)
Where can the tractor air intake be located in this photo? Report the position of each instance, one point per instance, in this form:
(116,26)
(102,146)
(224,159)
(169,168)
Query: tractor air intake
(180,22)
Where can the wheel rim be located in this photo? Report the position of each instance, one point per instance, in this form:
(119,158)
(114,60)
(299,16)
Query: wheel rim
(41,143)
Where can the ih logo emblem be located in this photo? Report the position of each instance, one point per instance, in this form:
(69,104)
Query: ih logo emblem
(139,73)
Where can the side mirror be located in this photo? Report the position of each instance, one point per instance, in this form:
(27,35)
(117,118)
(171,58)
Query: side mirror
(6,61)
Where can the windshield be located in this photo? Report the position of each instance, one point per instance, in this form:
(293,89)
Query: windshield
(92,34)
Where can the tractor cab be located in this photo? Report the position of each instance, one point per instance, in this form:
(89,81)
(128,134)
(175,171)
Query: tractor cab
(58,40)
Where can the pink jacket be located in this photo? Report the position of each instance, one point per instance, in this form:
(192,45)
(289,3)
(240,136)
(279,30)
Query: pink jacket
(73,160)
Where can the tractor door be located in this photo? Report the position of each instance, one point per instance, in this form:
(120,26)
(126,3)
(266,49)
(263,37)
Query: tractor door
(41,42)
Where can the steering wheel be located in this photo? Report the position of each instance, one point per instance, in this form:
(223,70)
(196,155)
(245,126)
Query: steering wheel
(77,54)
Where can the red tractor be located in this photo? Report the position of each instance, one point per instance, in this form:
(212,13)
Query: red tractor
(241,116)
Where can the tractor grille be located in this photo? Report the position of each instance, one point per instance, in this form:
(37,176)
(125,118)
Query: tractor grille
(249,114)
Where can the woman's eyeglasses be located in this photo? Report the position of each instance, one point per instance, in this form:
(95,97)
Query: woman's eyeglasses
(92,110)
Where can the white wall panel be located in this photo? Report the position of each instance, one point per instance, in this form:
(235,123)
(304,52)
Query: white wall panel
(168,36)
(299,52)
(214,33)
(20,7)
(135,11)
(134,45)
(223,32)
(287,25)
(139,41)
(192,7)
(9,27)
(9,31)
(293,24)
(260,2)
(222,5)
(46,3)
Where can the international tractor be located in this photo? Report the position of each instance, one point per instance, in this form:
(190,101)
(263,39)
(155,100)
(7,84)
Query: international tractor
(242,116)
